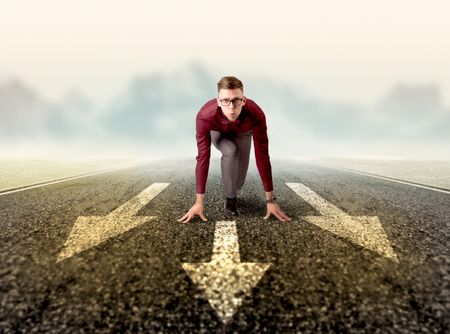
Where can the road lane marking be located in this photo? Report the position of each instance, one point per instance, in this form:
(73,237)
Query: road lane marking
(90,231)
(418,185)
(365,231)
(225,280)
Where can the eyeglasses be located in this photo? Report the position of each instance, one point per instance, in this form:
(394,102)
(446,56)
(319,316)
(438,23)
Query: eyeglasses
(236,102)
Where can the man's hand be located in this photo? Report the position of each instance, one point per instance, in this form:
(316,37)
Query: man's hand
(196,209)
(274,208)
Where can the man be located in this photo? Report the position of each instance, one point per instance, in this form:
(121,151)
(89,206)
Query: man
(229,123)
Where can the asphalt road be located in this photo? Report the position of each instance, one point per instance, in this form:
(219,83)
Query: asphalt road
(317,281)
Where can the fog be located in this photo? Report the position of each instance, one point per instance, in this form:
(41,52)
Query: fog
(154,116)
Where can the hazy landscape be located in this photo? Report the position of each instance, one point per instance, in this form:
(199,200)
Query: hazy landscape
(155,116)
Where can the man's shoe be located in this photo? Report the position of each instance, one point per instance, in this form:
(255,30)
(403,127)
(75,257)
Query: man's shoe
(231,206)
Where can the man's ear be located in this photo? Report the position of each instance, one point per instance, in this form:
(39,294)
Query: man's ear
(218,101)
(244,100)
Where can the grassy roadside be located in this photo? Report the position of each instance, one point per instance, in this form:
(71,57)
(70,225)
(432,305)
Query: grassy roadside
(23,172)
(429,172)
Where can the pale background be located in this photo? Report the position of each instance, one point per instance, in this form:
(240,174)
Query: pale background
(125,78)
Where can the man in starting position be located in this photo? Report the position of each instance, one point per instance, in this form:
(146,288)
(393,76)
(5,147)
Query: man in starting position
(229,121)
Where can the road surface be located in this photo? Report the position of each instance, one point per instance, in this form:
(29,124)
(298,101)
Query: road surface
(104,253)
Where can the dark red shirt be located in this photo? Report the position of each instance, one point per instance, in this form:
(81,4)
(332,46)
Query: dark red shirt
(211,117)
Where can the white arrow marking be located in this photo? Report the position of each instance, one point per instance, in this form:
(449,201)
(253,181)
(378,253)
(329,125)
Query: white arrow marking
(225,280)
(90,231)
(362,230)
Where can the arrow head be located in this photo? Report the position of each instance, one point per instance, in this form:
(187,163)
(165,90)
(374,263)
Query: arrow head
(225,284)
(365,231)
(88,232)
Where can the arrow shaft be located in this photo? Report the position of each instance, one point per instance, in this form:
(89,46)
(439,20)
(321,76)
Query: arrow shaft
(130,208)
(226,246)
(317,202)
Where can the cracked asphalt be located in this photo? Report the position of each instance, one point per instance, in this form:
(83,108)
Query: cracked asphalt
(318,282)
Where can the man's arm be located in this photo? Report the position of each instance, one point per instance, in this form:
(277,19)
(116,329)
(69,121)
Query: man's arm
(203,138)
(200,198)
(269,196)
(261,142)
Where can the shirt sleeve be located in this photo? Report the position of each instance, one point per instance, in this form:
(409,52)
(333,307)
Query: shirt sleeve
(261,142)
(203,138)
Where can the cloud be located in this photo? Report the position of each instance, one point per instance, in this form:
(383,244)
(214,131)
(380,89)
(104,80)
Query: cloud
(156,113)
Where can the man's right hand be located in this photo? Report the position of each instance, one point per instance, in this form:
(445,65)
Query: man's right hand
(196,209)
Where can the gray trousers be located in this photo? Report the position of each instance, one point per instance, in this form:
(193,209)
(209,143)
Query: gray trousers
(235,148)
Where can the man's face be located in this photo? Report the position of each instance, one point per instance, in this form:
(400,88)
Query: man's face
(235,99)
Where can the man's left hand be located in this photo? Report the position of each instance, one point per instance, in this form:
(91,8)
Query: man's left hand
(274,208)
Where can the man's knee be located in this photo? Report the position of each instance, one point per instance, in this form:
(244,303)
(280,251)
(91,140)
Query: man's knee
(230,150)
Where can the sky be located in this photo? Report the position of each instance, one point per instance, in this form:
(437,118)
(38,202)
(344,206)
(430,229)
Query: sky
(347,50)
(341,77)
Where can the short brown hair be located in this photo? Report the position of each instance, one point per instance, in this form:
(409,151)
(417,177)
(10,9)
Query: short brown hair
(229,82)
